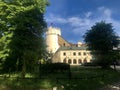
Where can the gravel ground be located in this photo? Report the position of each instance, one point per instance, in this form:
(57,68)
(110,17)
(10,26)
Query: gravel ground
(116,86)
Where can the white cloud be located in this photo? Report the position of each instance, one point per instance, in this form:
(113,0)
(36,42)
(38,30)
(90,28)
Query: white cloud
(88,14)
(56,19)
(74,21)
(79,25)
(78,21)
(106,13)
(116,25)
(107,16)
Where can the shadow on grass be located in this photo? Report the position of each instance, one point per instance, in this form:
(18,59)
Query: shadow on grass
(82,79)
(25,84)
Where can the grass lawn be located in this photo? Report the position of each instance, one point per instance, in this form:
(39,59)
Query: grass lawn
(83,78)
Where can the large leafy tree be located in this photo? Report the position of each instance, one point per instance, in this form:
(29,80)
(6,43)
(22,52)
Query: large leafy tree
(22,26)
(101,39)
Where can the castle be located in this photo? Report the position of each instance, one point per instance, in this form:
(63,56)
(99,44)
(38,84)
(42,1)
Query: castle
(64,51)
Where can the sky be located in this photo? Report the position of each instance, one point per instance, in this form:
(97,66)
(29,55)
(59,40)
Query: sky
(75,17)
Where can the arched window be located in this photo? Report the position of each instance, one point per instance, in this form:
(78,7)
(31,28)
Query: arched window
(85,60)
(69,61)
(64,61)
(74,61)
(79,61)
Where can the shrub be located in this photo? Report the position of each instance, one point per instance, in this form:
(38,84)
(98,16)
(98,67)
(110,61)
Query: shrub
(55,67)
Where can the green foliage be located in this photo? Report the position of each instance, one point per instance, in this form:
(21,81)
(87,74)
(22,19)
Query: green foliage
(54,67)
(22,26)
(85,82)
(101,39)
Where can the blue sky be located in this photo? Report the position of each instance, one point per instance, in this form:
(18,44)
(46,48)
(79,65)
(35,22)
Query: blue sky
(75,17)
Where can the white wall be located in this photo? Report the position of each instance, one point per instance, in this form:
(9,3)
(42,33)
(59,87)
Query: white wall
(52,39)
(69,55)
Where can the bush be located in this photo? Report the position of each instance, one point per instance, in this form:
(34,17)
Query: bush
(90,64)
(55,67)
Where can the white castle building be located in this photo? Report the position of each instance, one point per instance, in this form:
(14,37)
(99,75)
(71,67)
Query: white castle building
(64,51)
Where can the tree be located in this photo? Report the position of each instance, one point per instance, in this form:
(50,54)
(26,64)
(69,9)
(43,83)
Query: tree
(101,39)
(22,25)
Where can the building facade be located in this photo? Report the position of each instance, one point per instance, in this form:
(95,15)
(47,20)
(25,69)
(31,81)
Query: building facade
(64,51)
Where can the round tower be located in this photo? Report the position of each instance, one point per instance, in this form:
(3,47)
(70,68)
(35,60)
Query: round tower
(52,39)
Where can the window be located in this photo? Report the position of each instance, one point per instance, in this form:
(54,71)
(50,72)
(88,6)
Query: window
(84,53)
(79,53)
(74,61)
(85,61)
(74,53)
(69,61)
(79,61)
(88,53)
(91,60)
(64,61)
(64,54)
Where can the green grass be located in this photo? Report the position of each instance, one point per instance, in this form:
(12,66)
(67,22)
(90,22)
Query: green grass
(83,78)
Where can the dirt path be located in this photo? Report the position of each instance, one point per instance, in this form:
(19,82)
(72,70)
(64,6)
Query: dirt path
(116,86)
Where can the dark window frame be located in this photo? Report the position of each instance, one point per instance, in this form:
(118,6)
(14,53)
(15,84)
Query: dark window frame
(64,54)
(74,61)
(74,53)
